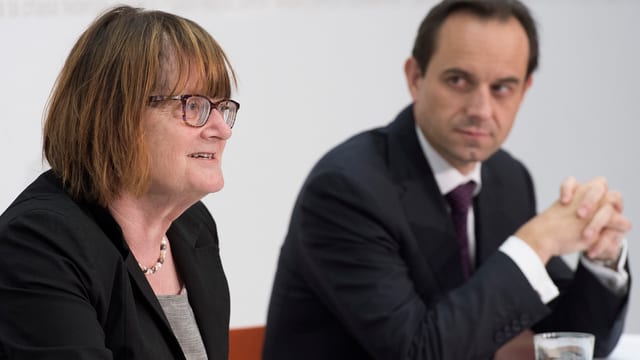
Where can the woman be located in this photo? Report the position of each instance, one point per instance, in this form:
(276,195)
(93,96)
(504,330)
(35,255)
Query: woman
(111,254)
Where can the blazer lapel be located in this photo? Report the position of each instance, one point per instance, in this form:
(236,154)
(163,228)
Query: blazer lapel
(139,283)
(198,262)
(142,285)
(423,204)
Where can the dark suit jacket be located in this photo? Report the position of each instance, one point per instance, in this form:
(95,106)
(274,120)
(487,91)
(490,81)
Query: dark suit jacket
(71,289)
(370,267)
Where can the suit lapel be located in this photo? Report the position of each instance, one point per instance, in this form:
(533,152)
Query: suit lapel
(423,204)
(489,218)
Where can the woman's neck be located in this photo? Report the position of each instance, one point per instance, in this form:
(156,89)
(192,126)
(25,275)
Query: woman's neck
(144,223)
(144,220)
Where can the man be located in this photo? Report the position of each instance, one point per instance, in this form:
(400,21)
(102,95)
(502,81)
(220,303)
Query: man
(378,264)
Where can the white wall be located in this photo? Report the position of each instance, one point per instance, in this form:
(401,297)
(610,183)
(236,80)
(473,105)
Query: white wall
(314,72)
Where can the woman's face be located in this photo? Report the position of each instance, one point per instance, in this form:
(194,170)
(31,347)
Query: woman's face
(185,161)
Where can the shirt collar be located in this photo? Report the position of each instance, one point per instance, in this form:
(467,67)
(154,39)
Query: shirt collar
(447,177)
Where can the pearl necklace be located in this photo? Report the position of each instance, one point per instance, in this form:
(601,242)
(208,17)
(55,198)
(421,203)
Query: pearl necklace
(158,265)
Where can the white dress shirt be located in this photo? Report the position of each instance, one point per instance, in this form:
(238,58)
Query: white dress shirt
(448,178)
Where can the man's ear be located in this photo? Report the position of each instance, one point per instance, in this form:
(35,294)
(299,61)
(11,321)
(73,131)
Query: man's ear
(414,75)
(528,83)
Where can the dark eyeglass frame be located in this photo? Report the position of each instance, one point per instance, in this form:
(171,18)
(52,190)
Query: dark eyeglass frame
(212,105)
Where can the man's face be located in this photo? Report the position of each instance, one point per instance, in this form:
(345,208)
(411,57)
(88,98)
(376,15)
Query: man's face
(467,99)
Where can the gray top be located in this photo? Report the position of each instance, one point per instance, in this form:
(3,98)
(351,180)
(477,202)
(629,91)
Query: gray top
(183,324)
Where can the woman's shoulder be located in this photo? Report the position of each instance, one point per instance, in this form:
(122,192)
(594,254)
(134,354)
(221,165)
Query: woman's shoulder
(45,194)
(45,216)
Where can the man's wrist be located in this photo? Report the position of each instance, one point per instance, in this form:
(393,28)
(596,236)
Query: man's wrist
(528,234)
(524,256)
(608,263)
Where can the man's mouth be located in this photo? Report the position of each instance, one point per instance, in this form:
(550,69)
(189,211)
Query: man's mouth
(474,132)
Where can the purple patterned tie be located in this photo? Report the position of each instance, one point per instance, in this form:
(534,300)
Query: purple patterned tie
(460,199)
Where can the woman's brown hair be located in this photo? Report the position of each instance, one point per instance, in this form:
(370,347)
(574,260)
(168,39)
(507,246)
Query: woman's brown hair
(93,132)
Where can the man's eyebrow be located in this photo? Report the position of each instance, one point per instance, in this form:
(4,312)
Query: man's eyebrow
(457,71)
(460,71)
(509,79)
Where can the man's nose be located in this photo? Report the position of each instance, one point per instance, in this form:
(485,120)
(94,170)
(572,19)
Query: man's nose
(479,104)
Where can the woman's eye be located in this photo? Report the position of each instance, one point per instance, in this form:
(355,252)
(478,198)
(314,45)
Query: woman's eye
(193,106)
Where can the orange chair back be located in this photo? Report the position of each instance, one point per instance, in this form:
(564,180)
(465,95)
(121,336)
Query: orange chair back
(246,343)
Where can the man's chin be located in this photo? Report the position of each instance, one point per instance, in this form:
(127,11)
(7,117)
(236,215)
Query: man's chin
(477,154)
(474,157)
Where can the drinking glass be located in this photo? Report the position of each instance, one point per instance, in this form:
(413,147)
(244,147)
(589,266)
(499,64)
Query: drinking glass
(564,346)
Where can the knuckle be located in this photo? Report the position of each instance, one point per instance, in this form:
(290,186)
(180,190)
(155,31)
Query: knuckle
(603,181)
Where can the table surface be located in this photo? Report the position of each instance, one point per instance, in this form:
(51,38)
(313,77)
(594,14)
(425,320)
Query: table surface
(521,347)
(628,348)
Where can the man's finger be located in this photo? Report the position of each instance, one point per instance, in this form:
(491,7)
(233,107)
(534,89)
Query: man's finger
(607,247)
(596,190)
(619,222)
(599,221)
(615,198)
(567,189)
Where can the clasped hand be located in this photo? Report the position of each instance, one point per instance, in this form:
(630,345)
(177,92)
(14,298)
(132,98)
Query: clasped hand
(587,217)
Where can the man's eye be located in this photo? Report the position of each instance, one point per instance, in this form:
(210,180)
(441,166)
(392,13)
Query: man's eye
(458,82)
(501,89)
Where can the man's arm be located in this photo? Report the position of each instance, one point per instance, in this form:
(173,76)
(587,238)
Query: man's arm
(587,302)
(353,244)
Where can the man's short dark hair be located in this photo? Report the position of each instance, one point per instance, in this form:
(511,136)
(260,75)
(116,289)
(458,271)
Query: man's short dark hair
(425,43)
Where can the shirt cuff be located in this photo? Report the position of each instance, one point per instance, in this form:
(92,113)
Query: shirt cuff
(531,266)
(615,280)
